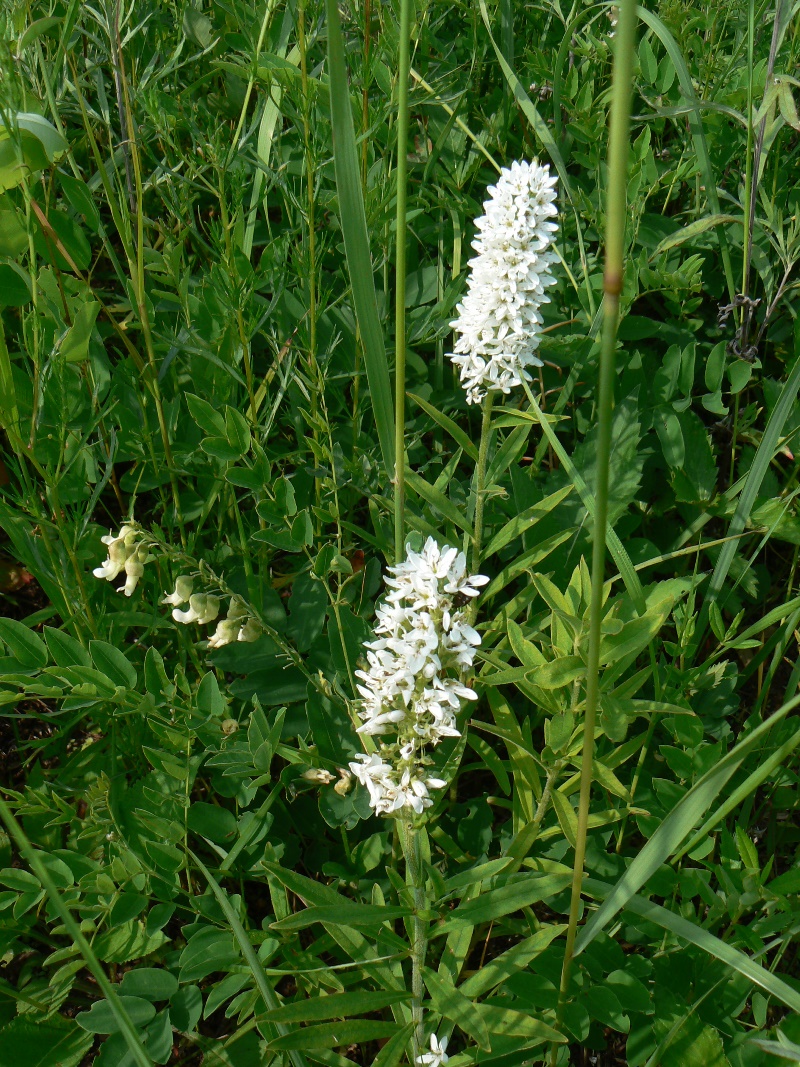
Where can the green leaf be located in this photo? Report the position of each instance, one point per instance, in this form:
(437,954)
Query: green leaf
(113,663)
(755,476)
(698,135)
(565,813)
(237,431)
(24,644)
(100,1019)
(676,826)
(715,367)
(393,1051)
(523,522)
(447,424)
(348,913)
(356,239)
(694,229)
(505,1022)
(333,1006)
(75,344)
(438,501)
(668,428)
(527,889)
(334,1035)
(43,1042)
(558,673)
(453,1005)
(206,416)
(251,958)
(15,286)
(65,650)
(703,939)
(509,962)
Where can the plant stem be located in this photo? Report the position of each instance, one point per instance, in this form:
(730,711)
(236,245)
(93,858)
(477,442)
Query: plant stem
(480,478)
(612,287)
(404,63)
(31,855)
(416,879)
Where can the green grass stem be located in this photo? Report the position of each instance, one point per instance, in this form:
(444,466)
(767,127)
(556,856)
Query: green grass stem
(404,65)
(616,213)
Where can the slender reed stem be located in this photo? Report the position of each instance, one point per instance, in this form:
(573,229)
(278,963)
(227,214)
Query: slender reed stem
(480,478)
(404,64)
(612,287)
(415,877)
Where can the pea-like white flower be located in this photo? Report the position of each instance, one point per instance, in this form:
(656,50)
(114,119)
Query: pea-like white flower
(413,683)
(499,322)
(437,1055)
(128,551)
(238,625)
(203,609)
(181,593)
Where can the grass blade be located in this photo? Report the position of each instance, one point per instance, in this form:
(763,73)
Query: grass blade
(755,476)
(709,943)
(615,547)
(249,953)
(356,240)
(697,132)
(676,826)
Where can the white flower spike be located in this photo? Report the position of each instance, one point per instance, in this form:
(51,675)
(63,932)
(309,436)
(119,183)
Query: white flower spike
(437,1055)
(413,685)
(499,322)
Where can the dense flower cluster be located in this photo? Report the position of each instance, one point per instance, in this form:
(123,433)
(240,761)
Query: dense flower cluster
(413,685)
(499,322)
(238,624)
(129,551)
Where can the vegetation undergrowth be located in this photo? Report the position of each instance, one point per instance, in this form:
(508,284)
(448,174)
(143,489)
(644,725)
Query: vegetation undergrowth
(401,623)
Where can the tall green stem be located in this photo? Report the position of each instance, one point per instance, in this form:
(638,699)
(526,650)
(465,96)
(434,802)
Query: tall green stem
(612,287)
(404,63)
(480,479)
(415,878)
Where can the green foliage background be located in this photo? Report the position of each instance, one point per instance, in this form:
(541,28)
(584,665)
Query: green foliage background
(195,332)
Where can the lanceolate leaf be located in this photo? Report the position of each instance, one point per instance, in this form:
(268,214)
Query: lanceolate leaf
(356,240)
(706,941)
(676,826)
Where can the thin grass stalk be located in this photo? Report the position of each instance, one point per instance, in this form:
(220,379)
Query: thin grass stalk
(316,378)
(31,856)
(612,287)
(480,479)
(404,64)
(415,877)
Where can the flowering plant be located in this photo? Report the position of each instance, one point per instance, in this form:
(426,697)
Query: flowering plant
(414,683)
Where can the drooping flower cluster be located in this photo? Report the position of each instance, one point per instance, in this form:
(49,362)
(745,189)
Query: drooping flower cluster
(238,624)
(129,551)
(413,685)
(499,322)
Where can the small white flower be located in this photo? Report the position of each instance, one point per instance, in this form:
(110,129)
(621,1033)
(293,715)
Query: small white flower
(499,322)
(182,592)
(203,609)
(251,631)
(127,551)
(413,684)
(319,775)
(226,632)
(437,1055)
